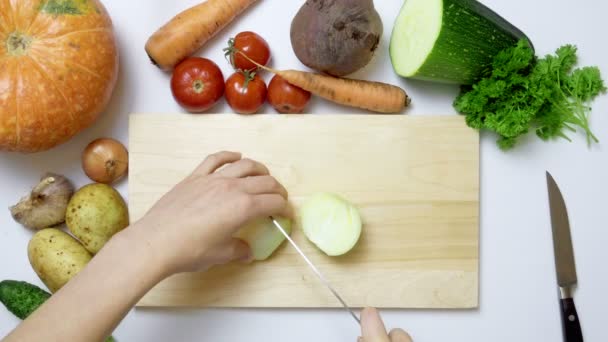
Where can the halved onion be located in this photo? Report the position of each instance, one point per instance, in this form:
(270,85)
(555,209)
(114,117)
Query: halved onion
(331,223)
(263,237)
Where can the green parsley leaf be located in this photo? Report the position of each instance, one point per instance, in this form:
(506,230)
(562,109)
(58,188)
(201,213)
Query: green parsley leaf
(524,93)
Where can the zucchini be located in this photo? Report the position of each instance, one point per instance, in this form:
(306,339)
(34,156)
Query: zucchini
(450,41)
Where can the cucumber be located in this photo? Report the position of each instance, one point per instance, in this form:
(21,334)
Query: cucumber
(22,298)
(449,41)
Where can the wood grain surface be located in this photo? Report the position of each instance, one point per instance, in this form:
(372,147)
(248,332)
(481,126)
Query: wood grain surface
(414,179)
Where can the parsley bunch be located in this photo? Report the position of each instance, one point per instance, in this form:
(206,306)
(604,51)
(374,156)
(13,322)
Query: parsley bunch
(523,93)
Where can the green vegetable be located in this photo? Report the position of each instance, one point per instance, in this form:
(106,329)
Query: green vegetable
(22,298)
(451,41)
(523,93)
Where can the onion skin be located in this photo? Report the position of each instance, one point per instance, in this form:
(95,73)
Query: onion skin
(46,204)
(105,160)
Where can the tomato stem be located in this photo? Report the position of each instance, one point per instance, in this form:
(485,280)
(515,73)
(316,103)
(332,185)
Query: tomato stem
(263,67)
(198,86)
(249,76)
(229,52)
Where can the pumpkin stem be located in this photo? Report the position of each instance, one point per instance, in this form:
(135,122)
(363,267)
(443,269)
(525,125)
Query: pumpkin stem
(17,44)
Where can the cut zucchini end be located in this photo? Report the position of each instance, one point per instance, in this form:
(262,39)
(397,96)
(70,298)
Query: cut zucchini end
(416,30)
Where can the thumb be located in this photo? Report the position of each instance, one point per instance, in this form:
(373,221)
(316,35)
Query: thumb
(233,250)
(372,327)
(398,335)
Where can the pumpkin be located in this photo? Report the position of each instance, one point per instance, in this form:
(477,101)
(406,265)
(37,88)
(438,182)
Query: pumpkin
(58,68)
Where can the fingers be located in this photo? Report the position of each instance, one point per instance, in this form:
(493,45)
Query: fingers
(287,212)
(215,161)
(244,168)
(372,327)
(398,335)
(265,205)
(233,250)
(263,185)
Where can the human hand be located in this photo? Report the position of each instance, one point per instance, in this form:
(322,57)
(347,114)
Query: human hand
(373,330)
(191,227)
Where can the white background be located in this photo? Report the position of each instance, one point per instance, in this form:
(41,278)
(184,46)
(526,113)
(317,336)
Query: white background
(518,293)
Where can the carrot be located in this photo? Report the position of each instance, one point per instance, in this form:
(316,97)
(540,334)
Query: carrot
(190,30)
(374,96)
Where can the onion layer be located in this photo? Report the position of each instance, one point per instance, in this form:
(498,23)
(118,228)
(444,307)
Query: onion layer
(331,223)
(263,237)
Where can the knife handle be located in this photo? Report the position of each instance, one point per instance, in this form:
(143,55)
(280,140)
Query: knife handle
(571,323)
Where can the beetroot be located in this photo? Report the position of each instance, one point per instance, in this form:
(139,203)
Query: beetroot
(337,37)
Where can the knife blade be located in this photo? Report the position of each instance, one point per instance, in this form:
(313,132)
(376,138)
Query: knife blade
(316,271)
(564,261)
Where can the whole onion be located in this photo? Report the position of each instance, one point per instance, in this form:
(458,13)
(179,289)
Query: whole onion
(105,160)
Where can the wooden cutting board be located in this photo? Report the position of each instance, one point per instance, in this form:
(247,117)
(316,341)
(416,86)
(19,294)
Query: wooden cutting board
(414,179)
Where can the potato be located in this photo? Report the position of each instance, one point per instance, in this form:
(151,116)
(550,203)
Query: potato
(56,257)
(95,213)
(337,37)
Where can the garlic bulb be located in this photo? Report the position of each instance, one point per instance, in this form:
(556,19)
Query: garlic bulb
(46,204)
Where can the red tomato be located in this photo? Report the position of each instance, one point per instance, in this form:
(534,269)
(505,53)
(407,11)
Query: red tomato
(285,97)
(252,45)
(197,84)
(245,100)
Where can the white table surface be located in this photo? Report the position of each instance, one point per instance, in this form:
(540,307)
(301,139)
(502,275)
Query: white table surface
(518,294)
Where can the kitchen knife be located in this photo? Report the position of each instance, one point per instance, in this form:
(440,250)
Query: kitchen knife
(564,262)
(316,271)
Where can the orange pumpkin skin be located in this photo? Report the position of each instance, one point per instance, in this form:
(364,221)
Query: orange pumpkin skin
(58,68)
